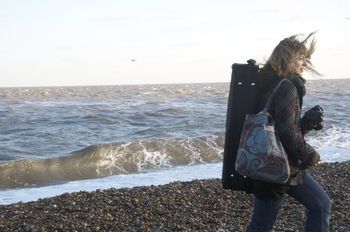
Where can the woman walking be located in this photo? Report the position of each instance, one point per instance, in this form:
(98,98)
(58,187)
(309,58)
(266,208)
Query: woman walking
(288,61)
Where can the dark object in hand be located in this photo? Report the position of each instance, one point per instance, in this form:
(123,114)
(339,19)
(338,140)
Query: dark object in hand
(311,160)
(312,119)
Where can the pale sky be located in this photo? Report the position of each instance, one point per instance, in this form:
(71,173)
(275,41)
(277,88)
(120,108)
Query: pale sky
(93,42)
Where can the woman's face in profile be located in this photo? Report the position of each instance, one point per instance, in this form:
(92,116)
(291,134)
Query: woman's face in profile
(300,63)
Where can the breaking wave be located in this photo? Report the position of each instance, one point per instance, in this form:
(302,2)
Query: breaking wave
(111,159)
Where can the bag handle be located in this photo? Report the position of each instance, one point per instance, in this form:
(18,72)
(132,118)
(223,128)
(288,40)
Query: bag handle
(268,103)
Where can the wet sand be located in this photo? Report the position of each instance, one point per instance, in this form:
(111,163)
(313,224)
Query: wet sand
(199,205)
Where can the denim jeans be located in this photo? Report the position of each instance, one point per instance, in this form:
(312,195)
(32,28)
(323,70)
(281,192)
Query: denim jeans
(310,194)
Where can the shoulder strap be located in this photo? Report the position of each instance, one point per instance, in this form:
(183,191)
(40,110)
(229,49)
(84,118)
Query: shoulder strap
(268,103)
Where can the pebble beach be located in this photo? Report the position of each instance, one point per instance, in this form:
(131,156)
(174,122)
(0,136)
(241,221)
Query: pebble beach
(198,205)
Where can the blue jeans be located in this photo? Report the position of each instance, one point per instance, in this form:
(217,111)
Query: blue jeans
(310,194)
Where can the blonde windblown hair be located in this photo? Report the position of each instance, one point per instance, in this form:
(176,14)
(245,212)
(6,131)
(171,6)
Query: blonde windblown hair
(283,57)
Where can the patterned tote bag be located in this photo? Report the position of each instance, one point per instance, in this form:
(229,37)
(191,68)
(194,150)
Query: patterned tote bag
(261,155)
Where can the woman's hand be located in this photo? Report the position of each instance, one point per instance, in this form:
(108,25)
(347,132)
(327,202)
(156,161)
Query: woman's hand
(311,159)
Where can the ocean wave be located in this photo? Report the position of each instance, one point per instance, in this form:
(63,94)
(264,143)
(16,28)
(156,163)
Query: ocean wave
(111,159)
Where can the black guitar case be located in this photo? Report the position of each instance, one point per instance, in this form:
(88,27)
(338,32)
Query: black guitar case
(242,100)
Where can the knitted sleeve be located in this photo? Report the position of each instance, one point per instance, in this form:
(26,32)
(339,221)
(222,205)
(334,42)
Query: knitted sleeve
(286,114)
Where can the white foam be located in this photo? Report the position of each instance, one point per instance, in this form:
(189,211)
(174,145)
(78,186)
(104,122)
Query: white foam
(153,159)
(333,144)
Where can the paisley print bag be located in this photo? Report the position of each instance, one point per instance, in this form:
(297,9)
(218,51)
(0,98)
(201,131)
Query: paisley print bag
(261,155)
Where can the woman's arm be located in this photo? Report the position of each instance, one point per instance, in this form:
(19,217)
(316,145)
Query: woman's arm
(287,115)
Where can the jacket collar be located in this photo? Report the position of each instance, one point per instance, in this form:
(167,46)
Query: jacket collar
(299,83)
(270,81)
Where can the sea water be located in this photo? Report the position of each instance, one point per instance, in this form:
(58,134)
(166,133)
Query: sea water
(64,139)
